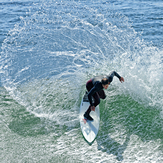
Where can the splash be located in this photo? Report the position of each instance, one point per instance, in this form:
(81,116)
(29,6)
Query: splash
(47,58)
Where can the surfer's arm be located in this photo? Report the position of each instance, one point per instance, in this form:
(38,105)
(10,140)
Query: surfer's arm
(114,73)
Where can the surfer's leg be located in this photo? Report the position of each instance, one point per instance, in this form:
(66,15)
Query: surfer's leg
(88,111)
(89,85)
(96,99)
(96,102)
(86,114)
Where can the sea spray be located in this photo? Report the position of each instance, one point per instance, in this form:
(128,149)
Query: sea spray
(48,57)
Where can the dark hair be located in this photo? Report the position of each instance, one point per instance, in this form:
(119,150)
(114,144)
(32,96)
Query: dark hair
(104,81)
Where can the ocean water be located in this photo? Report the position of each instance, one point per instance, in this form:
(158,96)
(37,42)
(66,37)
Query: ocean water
(49,49)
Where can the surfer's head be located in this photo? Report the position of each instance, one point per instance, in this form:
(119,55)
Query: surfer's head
(105,83)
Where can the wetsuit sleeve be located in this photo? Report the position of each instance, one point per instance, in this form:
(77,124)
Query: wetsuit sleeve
(115,74)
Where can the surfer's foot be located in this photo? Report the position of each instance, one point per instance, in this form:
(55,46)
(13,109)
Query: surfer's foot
(88,117)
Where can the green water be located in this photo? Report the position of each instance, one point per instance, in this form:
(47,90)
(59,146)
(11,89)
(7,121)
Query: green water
(128,131)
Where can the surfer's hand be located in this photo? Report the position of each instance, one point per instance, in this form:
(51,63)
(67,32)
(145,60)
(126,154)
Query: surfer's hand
(92,108)
(121,79)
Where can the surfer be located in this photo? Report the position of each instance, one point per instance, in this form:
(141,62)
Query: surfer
(95,88)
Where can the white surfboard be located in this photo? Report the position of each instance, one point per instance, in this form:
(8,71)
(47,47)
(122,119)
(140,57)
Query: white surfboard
(89,128)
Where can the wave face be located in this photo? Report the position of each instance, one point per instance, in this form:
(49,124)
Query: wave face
(50,54)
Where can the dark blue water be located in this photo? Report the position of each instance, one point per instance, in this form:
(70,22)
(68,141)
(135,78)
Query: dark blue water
(49,49)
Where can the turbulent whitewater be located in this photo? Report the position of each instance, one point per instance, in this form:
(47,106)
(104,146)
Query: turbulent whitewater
(47,56)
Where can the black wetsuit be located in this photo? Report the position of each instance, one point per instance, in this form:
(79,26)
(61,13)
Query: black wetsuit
(95,89)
